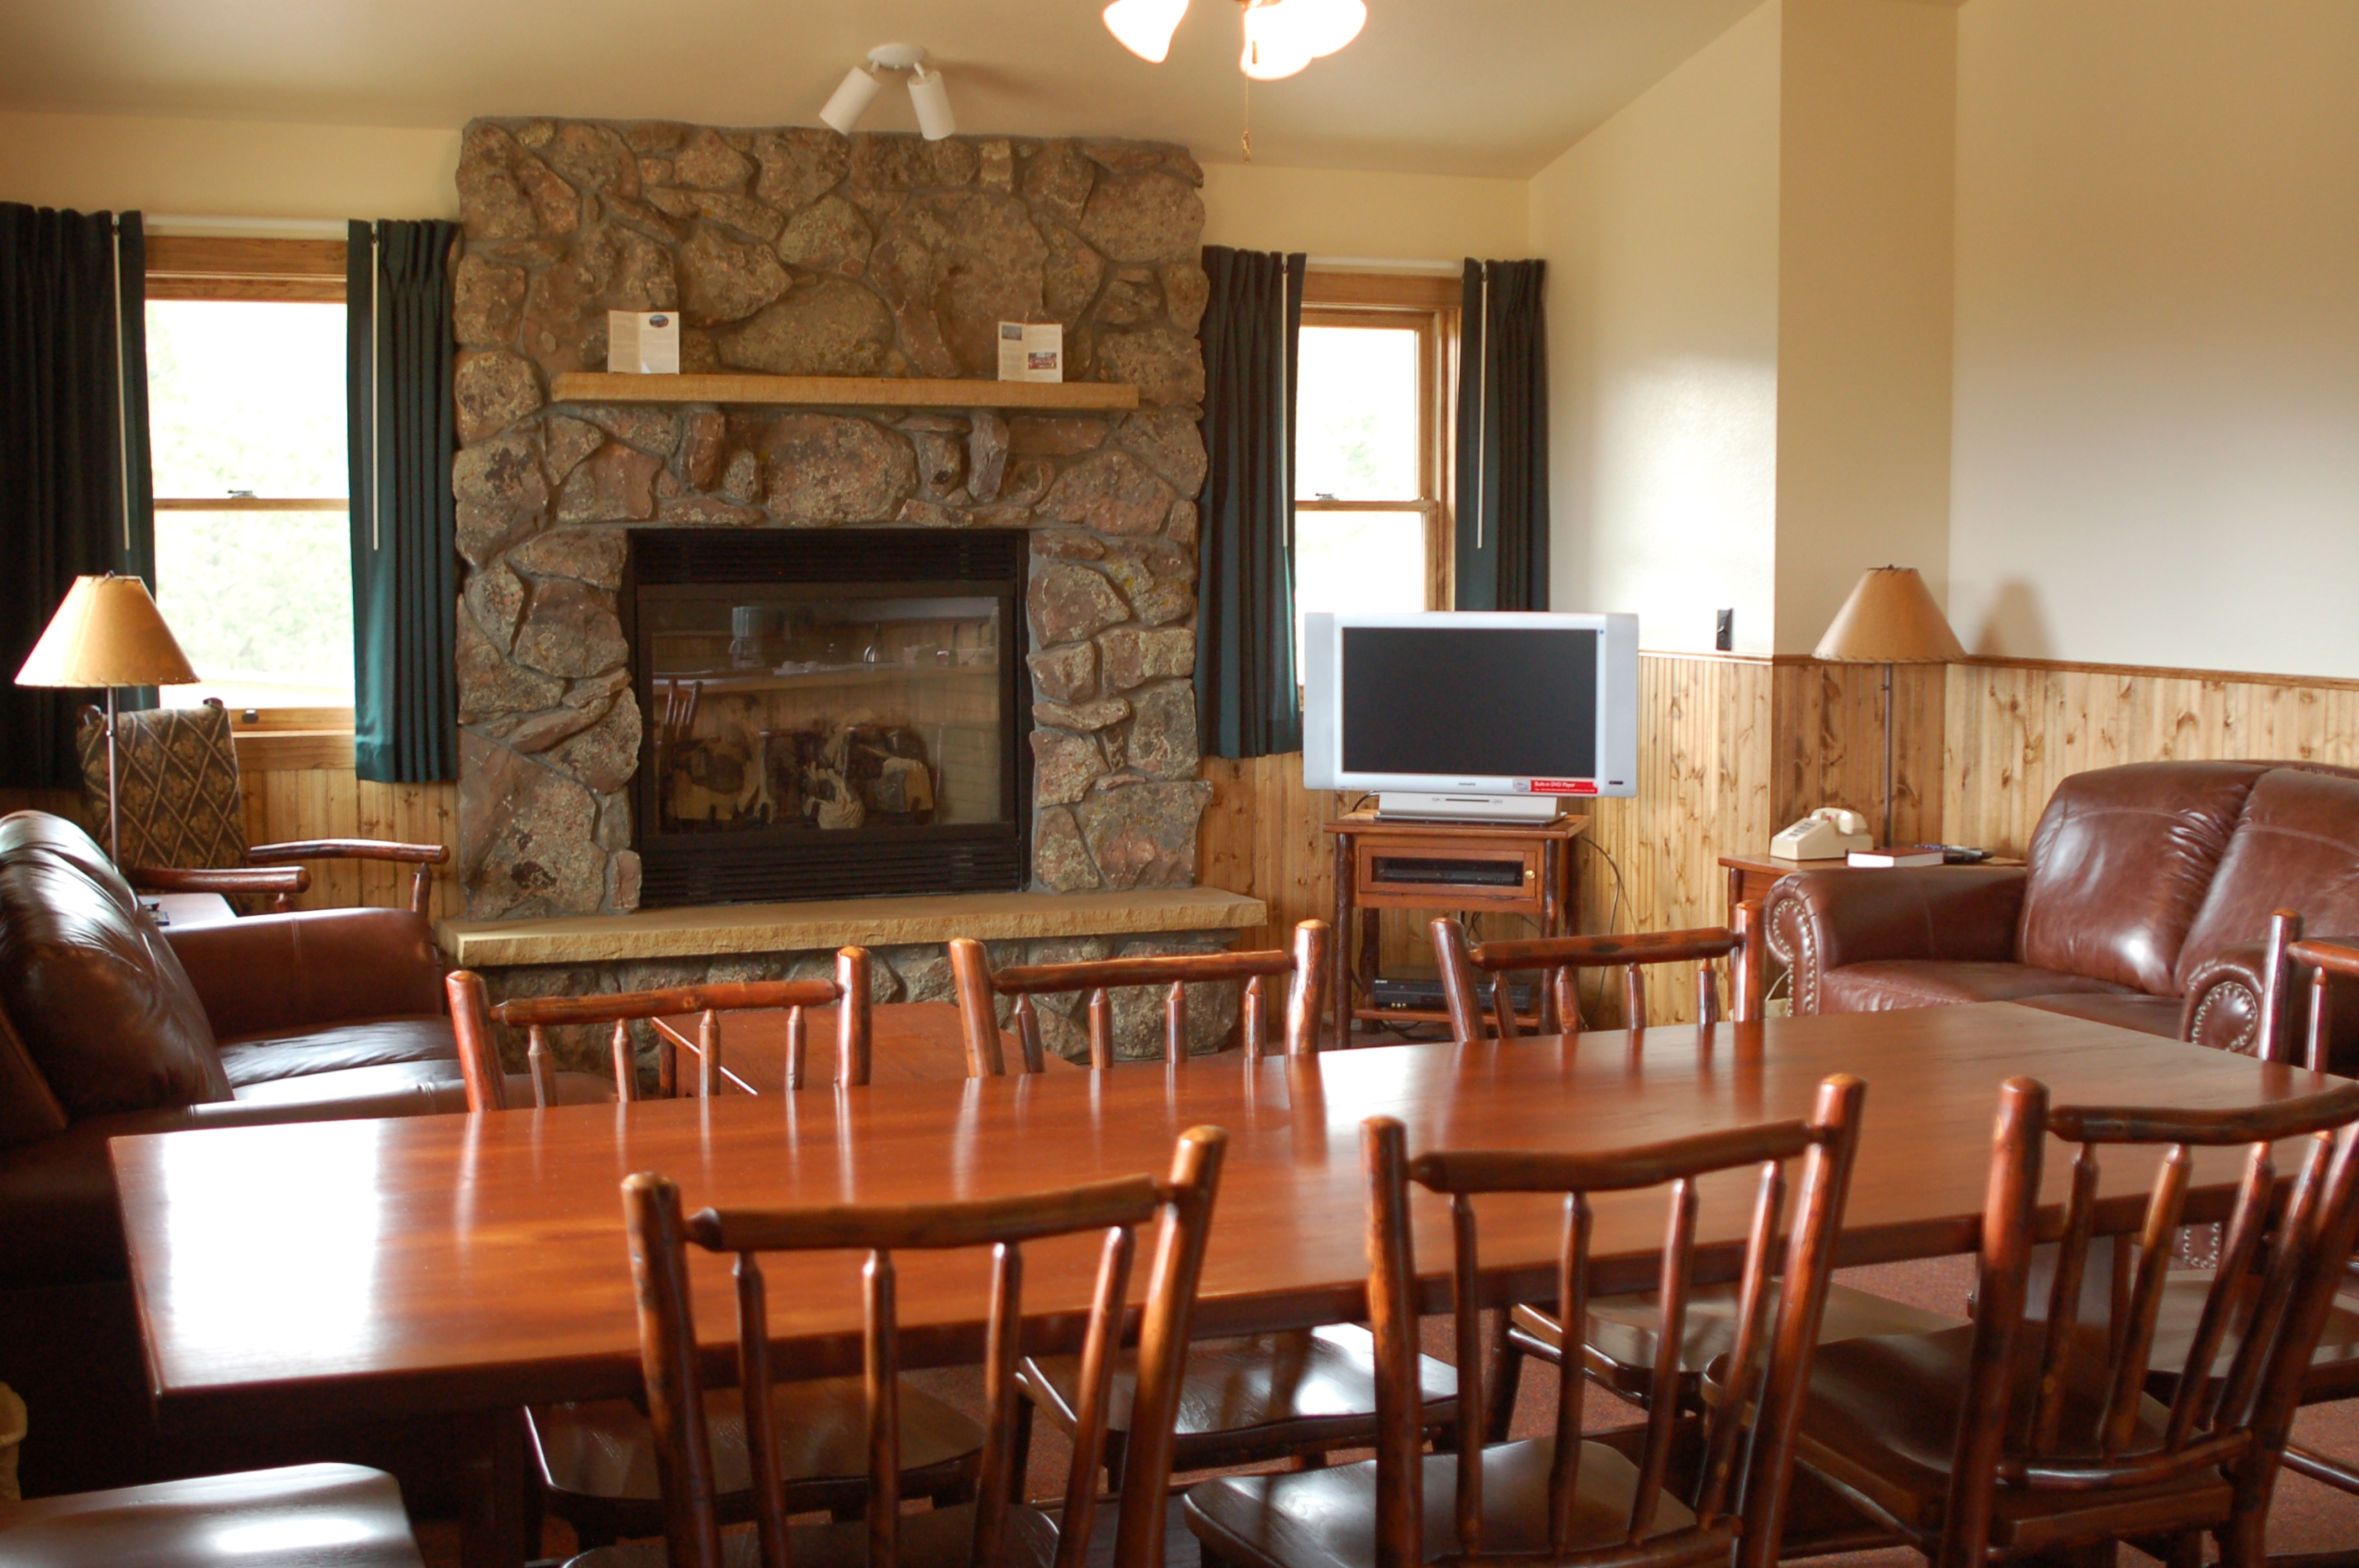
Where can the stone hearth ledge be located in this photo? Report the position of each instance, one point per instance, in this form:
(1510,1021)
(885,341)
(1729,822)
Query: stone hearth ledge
(719,929)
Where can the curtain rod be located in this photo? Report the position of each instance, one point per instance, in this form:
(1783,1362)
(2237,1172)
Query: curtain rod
(320,228)
(1412,268)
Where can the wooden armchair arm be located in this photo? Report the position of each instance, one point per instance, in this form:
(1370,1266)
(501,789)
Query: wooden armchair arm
(280,881)
(420,855)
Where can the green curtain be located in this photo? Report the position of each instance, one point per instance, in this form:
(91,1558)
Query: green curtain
(76,498)
(1502,526)
(399,359)
(1247,702)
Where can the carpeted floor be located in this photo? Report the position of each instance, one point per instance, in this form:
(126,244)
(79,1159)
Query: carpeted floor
(2306,1516)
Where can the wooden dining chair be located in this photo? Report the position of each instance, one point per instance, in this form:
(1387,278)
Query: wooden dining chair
(1299,1394)
(981,986)
(2013,1436)
(598,1458)
(992,1531)
(299,1517)
(2333,1372)
(1621,1339)
(471,1015)
(1567,1499)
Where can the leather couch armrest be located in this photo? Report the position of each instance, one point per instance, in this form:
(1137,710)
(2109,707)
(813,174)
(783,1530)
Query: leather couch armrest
(2222,1009)
(1823,920)
(314,967)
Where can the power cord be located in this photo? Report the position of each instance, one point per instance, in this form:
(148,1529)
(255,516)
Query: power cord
(1613,911)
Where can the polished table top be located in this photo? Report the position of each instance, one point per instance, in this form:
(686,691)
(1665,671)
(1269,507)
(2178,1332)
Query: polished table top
(460,1262)
(909,1042)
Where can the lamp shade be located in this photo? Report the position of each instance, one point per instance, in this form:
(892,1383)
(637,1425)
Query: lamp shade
(107,633)
(1890,619)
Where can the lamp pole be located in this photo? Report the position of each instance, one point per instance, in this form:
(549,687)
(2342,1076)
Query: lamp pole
(1888,754)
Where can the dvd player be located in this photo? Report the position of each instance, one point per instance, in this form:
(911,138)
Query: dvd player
(1413,995)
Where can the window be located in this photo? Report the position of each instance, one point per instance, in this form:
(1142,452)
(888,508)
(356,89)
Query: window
(246,423)
(1371,399)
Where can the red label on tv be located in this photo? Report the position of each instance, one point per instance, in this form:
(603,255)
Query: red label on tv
(1563,786)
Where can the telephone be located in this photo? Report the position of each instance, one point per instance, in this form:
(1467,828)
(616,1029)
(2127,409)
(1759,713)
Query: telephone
(1827,834)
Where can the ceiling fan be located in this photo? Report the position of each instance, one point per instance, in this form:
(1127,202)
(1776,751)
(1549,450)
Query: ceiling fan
(1281,36)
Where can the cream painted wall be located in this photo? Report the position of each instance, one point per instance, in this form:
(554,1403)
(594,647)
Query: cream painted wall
(2156,444)
(227,168)
(1866,152)
(1351,215)
(277,170)
(1660,233)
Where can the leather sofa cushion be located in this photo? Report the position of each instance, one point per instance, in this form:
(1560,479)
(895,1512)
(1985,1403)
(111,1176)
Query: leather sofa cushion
(96,992)
(1891,985)
(2120,865)
(27,1110)
(288,974)
(2295,848)
(2147,1014)
(362,1043)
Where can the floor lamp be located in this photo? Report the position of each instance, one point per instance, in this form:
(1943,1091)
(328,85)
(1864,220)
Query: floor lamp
(108,633)
(1890,619)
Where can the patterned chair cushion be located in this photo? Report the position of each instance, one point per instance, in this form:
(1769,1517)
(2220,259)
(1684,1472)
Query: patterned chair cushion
(179,770)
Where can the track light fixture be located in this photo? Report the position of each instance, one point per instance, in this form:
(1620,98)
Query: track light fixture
(1281,36)
(928,94)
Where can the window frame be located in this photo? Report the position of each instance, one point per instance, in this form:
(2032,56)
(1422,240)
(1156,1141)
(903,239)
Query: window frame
(273,269)
(1429,306)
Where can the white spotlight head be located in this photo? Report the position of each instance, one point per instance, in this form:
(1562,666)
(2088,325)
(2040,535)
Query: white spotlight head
(1145,26)
(931,101)
(849,101)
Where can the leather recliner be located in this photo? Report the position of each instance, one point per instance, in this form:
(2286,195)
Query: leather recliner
(2143,902)
(110,1025)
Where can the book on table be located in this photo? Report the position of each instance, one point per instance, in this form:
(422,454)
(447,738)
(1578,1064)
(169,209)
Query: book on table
(1898,855)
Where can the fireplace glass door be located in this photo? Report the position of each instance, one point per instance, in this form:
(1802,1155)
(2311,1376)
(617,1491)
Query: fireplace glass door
(813,740)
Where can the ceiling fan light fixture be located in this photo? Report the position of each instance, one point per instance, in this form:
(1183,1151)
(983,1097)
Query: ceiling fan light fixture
(1274,45)
(1145,26)
(1322,26)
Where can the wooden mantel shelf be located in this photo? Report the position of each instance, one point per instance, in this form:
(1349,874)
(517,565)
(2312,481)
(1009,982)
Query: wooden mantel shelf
(841,391)
(713,930)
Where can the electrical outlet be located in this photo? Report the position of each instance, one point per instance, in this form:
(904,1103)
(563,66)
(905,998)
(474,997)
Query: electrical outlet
(1724,632)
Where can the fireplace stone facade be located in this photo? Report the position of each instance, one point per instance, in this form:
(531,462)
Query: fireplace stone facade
(797,252)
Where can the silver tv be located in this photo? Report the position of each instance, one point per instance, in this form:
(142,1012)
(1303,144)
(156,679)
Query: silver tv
(1472,713)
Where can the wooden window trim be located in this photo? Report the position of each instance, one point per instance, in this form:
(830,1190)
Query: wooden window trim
(186,266)
(1429,306)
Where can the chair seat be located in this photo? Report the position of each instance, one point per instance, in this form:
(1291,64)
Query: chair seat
(1623,1329)
(938,1538)
(1308,1386)
(1883,1414)
(1327,1518)
(299,1517)
(376,1042)
(605,1447)
(2334,1367)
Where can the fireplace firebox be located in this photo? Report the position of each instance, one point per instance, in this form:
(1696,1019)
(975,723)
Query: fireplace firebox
(828,714)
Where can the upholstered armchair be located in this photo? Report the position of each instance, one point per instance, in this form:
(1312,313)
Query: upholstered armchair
(183,813)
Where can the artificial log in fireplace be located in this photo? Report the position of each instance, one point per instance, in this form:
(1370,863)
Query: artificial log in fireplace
(829,714)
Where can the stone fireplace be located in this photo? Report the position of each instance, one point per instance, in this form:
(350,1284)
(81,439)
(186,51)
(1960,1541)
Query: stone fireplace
(800,253)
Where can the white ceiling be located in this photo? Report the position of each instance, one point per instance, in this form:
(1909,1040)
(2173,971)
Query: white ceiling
(1445,86)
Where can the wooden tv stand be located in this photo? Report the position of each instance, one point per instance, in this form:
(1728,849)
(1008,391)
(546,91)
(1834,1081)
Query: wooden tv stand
(1507,869)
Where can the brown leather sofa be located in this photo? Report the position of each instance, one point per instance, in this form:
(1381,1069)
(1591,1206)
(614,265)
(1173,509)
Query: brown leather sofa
(2144,902)
(110,1025)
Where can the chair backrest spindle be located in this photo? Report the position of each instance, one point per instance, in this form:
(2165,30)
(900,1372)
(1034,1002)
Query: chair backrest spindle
(979,985)
(1559,960)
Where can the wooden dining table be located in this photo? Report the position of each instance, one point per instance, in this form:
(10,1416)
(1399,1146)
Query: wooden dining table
(473,1264)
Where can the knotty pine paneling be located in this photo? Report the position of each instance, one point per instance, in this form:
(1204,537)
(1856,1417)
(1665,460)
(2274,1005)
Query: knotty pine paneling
(1830,744)
(2015,730)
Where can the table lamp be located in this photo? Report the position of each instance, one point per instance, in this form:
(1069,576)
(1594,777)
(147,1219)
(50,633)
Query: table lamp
(107,633)
(1890,619)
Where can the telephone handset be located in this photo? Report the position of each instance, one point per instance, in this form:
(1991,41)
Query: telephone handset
(1827,834)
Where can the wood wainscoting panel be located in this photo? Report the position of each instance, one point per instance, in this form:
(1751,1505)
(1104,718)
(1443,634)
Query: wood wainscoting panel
(1830,749)
(288,804)
(2017,728)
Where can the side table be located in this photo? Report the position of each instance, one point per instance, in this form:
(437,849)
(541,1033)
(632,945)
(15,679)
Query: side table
(1460,867)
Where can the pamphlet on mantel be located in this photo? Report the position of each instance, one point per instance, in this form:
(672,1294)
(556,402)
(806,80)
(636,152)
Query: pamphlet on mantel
(1031,351)
(644,343)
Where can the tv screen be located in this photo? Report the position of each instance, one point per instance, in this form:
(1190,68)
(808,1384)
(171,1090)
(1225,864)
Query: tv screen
(1502,701)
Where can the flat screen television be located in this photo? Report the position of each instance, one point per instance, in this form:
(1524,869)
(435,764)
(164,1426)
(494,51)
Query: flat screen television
(1474,714)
